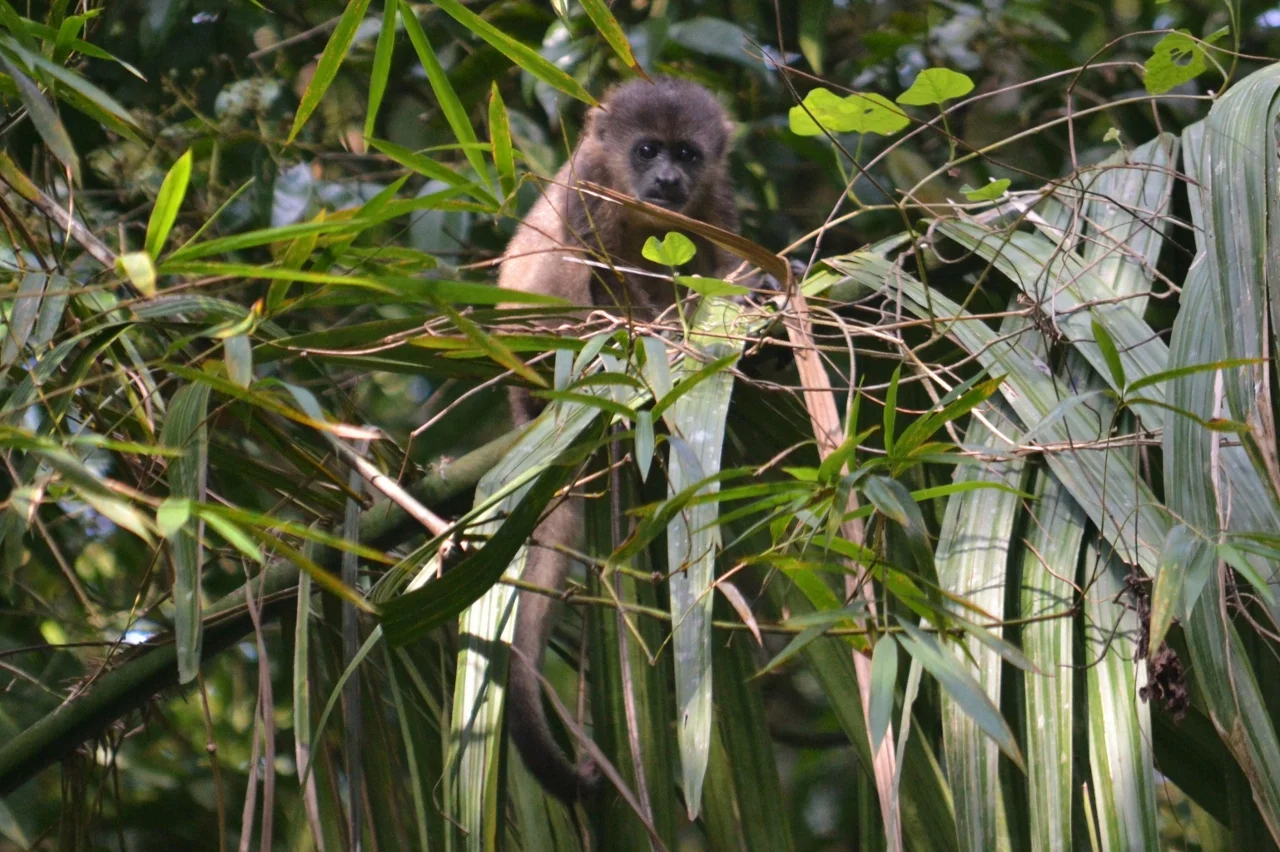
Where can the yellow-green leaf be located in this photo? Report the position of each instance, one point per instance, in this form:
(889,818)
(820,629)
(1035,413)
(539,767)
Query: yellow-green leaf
(936,86)
(141,271)
(168,202)
(675,249)
(857,113)
(500,142)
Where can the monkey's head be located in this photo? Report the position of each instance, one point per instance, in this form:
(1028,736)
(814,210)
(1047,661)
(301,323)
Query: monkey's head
(664,141)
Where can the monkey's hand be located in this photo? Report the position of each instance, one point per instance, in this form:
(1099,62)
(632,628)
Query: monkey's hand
(765,286)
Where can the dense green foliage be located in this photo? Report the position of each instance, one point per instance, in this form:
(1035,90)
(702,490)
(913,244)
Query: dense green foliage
(281,265)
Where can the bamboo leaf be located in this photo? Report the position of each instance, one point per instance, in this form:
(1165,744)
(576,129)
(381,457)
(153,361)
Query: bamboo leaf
(884,676)
(45,119)
(961,686)
(22,316)
(185,428)
(380,74)
(168,203)
(521,54)
(500,142)
(612,32)
(335,50)
(453,110)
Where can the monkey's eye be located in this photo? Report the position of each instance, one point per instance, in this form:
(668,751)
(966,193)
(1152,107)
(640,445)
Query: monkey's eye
(687,153)
(647,150)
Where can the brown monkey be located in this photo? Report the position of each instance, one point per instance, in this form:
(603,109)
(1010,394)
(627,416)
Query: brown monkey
(664,142)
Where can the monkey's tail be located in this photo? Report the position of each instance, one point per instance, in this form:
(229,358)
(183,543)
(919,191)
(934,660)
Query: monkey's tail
(526,717)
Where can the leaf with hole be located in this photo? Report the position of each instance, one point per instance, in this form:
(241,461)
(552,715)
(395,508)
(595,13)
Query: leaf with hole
(823,109)
(1177,58)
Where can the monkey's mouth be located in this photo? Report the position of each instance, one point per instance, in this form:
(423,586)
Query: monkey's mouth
(673,203)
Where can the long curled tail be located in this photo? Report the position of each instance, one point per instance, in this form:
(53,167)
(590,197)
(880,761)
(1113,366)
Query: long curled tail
(526,718)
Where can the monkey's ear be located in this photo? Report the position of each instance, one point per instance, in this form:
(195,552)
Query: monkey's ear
(595,122)
(730,127)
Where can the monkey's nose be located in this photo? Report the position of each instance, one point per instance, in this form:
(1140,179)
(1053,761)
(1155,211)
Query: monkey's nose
(668,184)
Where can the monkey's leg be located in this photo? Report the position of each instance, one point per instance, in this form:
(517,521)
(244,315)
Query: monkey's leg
(526,718)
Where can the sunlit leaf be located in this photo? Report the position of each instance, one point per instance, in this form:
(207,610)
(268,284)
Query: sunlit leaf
(168,203)
(137,265)
(856,113)
(675,249)
(936,86)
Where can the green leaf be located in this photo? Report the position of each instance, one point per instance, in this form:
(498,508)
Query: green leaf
(492,346)
(711,286)
(79,92)
(612,32)
(1240,562)
(1110,354)
(472,292)
(380,74)
(168,202)
(262,236)
(500,142)
(857,113)
(330,60)
(45,119)
(185,429)
(235,536)
(884,678)
(891,409)
(140,270)
(172,516)
(238,354)
(454,112)
(674,250)
(521,54)
(893,500)
(428,167)
(990,192)
(1176,59)
(812,31)
(961,686)
(22,316)
(417,613)
(644,442)
(1180,551)
(936,86)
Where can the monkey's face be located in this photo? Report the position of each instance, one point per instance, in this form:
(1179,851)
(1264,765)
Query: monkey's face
(663,142)
(665,172)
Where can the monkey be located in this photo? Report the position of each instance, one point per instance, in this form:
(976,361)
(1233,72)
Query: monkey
(664,141)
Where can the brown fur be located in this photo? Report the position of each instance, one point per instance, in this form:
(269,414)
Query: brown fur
(565,223)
